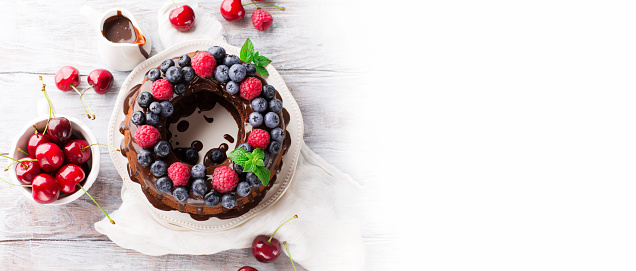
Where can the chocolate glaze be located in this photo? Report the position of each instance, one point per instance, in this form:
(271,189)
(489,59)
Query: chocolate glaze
(229,138)
(119,29)
(204,94)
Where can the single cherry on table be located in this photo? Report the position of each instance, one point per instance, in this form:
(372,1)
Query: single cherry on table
(100,80)
(232,10)
(182,18)
(267,248)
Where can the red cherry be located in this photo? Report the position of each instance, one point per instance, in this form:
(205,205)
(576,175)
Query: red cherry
(247,268)
(35,140)
(232,10)
(69,176)
(182,18)
(59,130)
(75,152)
(46,189)
(101,80)
(49,156)
(66,76)
(265,251)
(27,170)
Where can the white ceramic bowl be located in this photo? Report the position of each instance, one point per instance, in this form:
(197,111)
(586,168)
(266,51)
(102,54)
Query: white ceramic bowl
(80,130)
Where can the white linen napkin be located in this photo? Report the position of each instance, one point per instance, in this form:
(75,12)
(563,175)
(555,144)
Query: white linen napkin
(326,236)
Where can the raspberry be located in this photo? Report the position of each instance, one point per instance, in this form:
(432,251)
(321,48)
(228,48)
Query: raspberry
(261,19)
(250,88)
(179,173)
(224,179)
(162,89)
(203,64)
(146,136)
(258,138)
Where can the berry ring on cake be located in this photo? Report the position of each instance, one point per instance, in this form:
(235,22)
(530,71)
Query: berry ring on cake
(205,181)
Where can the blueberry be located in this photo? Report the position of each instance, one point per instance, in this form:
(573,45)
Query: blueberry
(228,201)
(277,134)
(238,168)
(152,119)
(159,168)
(268,92)
(256,119)
(162,149)
(164,184)
(221,73)
(188,74)
(179,88)
(271,120)
(154,74)
(191,156)
(275,105)
(174,75)
(217,156)
(167,109)
(144,157)
(250,69)
(144,99)
(166,64)
(237,73)
(217,52)
(259,104)
(274,147)
(155,107)
(246,146)
(253,180)
(199,187)
(138,118)
(243,189)
(197,171)
(212,198)
(232,88)
(231,60)
(180,193)
(185,61)
(266,158)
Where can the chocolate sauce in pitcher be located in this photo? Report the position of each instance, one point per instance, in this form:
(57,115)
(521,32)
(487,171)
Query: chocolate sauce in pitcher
(119,29)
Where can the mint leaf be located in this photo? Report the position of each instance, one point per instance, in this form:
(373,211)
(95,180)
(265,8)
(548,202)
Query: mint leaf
(258,152)
(239,156)
(262,60)
(255,59)
(249,167)
(262,71)
(247,51)
(263,174)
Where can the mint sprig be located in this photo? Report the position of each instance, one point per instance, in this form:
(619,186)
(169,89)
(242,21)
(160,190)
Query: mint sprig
(251,162)
(248,54)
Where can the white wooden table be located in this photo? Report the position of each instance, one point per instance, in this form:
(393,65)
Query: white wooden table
(40,37)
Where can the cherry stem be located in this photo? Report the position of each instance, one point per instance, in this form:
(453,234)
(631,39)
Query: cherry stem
(175,4)
(21,185)
(48,100)
(100,207)
(83,101)
(253,3)
(86,147)
(15,161)
(289,254)
(270,238)
(20,150)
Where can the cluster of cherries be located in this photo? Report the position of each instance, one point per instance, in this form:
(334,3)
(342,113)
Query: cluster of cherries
(266,249)
(182,17)
(68,78)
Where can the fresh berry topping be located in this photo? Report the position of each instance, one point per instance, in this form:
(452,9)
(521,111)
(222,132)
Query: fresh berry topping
(269,92)
(212,198)
(221,73)
(174,75)
(246,146)
(203,64)
(250,69)
(138,118)
(266,158)
(162,149)
(256,119)
(164,184)
(154,74)
(243,189)
(191,156)
(188,73)
(231,60)
(228,201)
(261,19)
(224,179)
(271,120)
(274,147)
(237,73)
(253,180)
(275,105)
(259,104)
(199,187)
(251,87)
(198,171)
(166,64)
(144,157)
(238,168)
(152,119)
(217,52)
(258,138)
(180,194)
(167,109)
(158,168)
(144,99)
(155,107)
(185,61)
(277,134)
(232,87)
(146,136)
(179,173)
(179,88)
(162,90)
(217,156)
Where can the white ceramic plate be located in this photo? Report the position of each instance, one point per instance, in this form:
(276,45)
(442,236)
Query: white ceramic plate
(176,218)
